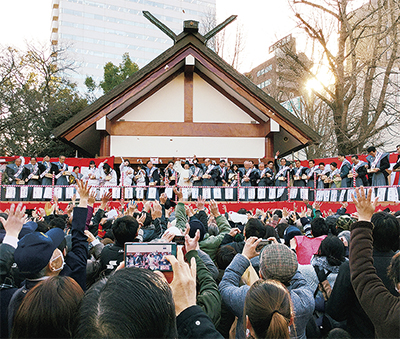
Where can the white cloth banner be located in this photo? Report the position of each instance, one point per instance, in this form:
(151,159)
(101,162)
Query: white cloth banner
(217,193)
(116,193)
(304,193)
(103,191)
(381,193)
(47,193)
(195,192)
(293,193)
(206,193)
(10,192)
(251,193)
(58,192)
(327,193)
(242,193)
(334,195)
(139,193)
(185,193)
(272,193)
(261,193)
(128,193)
(229,193)
(69,192)
(342,195)
(280,192)
(23,193)
(320,195)
(350,193)
(152,193)
(169,192)
(393,194)
(37,192)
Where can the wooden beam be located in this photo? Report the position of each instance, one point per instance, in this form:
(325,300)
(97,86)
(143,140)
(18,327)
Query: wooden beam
(251,98)
(269,147)
(120,99)
(146,96)
(105,145)
(189,129)
(188,94)
(230,97)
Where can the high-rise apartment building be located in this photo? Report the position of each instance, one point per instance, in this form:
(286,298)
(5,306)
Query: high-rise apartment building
(95,32)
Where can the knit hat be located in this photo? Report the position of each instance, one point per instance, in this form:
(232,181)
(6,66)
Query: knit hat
(344,222)
(34,250)
(195,224)
(290,233)
(278,262)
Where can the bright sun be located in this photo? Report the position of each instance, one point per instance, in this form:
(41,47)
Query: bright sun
(323,78)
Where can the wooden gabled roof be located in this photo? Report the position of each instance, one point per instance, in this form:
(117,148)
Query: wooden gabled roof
(238,88)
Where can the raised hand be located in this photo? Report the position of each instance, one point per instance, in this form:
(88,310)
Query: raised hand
(156,210)
(364,205)
(214,208)
(15,220)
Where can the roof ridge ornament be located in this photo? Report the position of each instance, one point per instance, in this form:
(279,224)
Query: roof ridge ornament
(189,26)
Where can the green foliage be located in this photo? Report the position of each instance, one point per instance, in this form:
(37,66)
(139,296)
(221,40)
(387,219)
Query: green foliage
(114,75)
(34,99)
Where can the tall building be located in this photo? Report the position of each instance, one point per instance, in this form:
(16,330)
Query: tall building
(95,32)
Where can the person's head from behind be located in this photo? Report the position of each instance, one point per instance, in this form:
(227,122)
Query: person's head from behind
(386,232)
(125,229)
(319,227)
(224,257)
(132,303)
(333,249)
(278,262)
(254,228)
(37,254)
(49,310)
(268,309)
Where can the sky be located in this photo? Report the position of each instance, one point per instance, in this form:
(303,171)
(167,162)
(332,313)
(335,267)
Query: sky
(263,22)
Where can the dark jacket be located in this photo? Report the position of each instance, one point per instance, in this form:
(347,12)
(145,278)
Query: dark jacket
(382,307)
(194,323)
(343,303)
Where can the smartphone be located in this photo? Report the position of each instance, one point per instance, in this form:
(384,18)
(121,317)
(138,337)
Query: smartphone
(149,255)
(262,244)
(179,239)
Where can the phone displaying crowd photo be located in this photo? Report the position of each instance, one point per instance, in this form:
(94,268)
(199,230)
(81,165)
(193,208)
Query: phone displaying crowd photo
(150,256)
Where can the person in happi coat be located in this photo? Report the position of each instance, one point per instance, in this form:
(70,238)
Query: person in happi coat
(378,165)
(344,170)
(359,171)
(152,179)
(32,177)
(15,173)
(62,175)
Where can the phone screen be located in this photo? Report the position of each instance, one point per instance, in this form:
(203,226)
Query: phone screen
(150,256)
(262,244)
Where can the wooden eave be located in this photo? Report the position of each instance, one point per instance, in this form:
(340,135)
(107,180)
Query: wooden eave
(209,66)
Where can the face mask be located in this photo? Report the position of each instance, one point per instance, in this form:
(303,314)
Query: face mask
(62,265)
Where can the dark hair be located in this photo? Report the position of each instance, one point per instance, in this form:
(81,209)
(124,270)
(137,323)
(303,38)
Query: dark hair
(394,269)
(334,164)
(385,232)
(355,156)
(270,162)
(371,149)
(268,306)
(57,221)
(242,211)
(107,168)
(224,256)
(338,333)
(333,249)
(132,303)
(75,167)
(321,163)
(270,232)
(125,229)
(311,160)
(341,155)
(148,161)
(49,310)
(280,228)
(254,228)
(319,227)
(278,213)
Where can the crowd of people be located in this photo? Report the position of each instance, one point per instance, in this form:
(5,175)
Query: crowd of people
(304,273)
(147,179)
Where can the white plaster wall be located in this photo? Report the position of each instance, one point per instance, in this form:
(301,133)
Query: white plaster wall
(167,104)
(211,106)
(140,146)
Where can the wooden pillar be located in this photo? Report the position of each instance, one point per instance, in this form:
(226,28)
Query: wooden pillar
(188,88)
(105,146)
(269,147)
